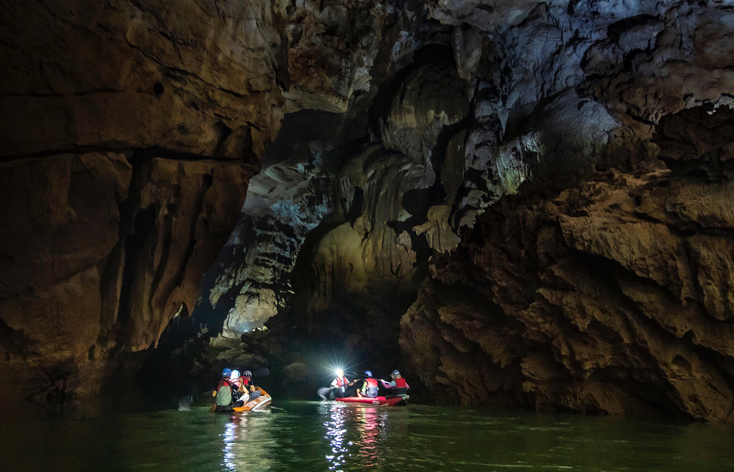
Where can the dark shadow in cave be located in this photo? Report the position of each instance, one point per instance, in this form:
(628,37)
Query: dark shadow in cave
(362,326)
(439,55)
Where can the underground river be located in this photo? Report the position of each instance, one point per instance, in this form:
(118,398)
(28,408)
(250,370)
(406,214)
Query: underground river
(312,436)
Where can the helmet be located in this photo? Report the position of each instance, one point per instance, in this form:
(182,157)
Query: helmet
(368,373)
(226,373)
(247,373)
(235,374)
(395,373)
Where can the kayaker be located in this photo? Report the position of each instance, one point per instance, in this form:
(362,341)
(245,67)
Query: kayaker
(248,385)
(398,386)
(339,384)
(239,395)
(370,388)
(223,392)
(235,378)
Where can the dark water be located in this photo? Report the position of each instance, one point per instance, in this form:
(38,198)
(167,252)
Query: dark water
(309,436)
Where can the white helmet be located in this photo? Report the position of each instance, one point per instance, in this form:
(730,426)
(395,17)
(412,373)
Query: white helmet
(235,375)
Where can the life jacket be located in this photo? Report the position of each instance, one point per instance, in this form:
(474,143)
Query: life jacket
(370,388)
(401,386)
(224,393)
(341,383)
(245,381)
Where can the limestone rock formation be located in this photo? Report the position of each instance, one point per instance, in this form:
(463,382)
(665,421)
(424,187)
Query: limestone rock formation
(596,278)
(533,98)
(360,220)
(285,202)
(614,297)
(130,131)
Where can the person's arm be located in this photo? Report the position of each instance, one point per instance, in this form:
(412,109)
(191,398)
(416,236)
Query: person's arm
(333,383)
(385,383)
(407,387)
(359,390)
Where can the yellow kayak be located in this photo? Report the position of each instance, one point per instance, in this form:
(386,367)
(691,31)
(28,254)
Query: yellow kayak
(257,404)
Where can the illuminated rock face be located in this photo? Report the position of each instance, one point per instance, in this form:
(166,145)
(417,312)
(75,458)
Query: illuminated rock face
(613,297)
(608,296)
(252,279)
(372,216)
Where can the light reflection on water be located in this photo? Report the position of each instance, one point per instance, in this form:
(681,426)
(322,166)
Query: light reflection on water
(371,425)
(229,437)
(246,438)
(309,436)
(335,432)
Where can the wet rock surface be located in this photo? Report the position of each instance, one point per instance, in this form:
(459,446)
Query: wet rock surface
(596,299)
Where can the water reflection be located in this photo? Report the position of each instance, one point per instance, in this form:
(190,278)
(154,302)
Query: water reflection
(335,431)
(372,433)
(357,435)
(229,438)
(247,438)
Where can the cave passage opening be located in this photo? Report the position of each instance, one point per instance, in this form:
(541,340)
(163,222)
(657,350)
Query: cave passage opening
(271,301)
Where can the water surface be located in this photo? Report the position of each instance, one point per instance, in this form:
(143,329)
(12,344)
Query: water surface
(310,436)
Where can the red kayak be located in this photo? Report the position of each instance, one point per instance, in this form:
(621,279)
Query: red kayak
(391,401)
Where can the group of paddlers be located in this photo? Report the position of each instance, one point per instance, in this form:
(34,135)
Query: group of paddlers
(365,387)
(234,390)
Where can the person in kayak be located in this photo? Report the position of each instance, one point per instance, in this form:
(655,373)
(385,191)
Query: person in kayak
(339,384)
(398,386)
(248,386)
(370,388)
(235,378)
(223,392)
(239,395)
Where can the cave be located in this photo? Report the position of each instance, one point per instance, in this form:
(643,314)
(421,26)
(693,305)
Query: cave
(520,205)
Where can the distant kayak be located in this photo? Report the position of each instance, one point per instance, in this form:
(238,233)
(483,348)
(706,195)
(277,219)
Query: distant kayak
(388,401)
(257,404)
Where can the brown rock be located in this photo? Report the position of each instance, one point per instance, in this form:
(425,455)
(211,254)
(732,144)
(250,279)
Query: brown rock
(598,302)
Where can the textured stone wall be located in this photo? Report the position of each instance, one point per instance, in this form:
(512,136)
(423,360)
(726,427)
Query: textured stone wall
(129,133)
(612,297)
(131,130)
(541,92)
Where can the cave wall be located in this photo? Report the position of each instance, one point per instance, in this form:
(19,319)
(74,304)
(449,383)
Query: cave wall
(251,280)
(585,299)
(614,297)
(531,91)
(333,180)
(131,131)
(538,97)
(342,229)
(129,134)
